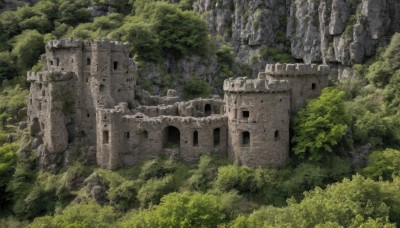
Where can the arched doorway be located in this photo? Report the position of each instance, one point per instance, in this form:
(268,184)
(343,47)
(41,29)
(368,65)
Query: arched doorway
(172,137)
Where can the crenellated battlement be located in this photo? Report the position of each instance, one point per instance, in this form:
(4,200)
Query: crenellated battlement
(243,84)
(65,43)
(99,45)
(279,69)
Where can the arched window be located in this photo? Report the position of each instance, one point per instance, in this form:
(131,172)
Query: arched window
(115,65)
(172,137)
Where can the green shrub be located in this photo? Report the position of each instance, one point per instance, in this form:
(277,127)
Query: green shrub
(383,164)
(27,48)
(194,87)
(79,215)
(179,210)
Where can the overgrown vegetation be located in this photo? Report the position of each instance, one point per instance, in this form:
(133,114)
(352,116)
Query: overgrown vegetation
(319,187)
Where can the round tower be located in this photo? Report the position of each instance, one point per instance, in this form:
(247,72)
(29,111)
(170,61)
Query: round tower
(258,120)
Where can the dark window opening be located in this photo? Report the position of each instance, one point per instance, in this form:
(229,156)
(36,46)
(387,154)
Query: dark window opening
(105,137)
(39,106)
(126,134)
(207,109)
(217,136)
(30,101)
(115,65)
(87,115)
(72,60)
(101,88)
(245,114)
(276,136)
(87,80)
(57,62)
(245,138)
(43,93)
(88,61)
(51,63)
(172,137)
(313,86)
(145,134)
(195,138)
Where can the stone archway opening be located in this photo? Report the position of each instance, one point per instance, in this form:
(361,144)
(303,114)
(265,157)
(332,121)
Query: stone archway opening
(172,137)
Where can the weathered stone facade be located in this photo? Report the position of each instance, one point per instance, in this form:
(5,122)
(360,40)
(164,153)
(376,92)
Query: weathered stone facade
(87,91)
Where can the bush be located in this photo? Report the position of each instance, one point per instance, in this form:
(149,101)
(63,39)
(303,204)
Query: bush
(180,210)
(383,164)
(195,87)
(152,190)
(27,48)
(79,215)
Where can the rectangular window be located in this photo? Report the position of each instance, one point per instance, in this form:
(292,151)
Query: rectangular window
(126,135)
(245,114)
(217,136)
(106,137)
(245,138)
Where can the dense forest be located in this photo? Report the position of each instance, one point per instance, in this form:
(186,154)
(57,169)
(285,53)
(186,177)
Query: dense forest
(345,147)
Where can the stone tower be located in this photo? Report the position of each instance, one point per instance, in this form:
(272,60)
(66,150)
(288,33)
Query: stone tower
(305,80)
(258,120)
(79,77)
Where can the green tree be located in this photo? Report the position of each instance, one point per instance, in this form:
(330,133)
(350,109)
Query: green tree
(320,125)
(8,159)
(194,87)
(27,47)
(383,164)
(79,215)
(351,203)
(180,210)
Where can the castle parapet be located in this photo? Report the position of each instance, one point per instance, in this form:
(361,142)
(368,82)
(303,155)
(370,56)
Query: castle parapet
(243,84)
(103,44)
(279,69)
(64,43)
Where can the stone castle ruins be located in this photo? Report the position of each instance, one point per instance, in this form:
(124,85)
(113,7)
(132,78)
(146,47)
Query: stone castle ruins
(87,91)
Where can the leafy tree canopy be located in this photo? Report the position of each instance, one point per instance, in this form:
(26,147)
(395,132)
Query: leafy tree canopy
(320,125)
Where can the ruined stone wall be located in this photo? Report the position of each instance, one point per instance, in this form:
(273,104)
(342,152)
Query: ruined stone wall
(196,108)
(127,139)
(258,121)
(306,81)
(51,100)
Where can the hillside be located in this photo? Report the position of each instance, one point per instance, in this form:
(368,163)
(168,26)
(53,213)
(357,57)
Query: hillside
(344,145)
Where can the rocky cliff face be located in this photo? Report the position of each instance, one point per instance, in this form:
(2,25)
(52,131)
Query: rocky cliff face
(246,24)
(339,32)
